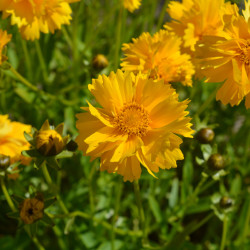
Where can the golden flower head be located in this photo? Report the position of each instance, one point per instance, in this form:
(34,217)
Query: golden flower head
(228,59)
(193,19)
(31,210)
(131,5)
(48,141)
(138,123)
(158,56)
(12,140)
(4,39)
(100,62)
(33,17)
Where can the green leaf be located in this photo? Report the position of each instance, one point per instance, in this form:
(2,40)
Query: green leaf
(174,194)
(47,220)
(206,151)
(89,239)
(69,225)
(64,154)
(154,205)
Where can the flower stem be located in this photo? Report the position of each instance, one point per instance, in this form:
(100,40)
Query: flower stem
(23,80)
(224,234)
(7,196)
(162,14)
(49,181)
(117,203)
(141,211)
(41,60)
(118,37)
(27,59)
(100,222)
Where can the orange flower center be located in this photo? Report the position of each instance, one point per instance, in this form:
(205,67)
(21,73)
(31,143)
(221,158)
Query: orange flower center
(244,54)
(133,119)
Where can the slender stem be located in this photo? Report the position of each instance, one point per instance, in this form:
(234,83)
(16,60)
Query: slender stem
(117,204)
(118,37)
(23,80)
(59,237)
(27,58)
(140,210)
(207,102)
(99,221)
(49,181)
(41,60)
(91,190)
(162,14)
(37,243)
(224,234)
(7,196)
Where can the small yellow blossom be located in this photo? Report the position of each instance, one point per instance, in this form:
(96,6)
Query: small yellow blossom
(158,56)
(49,142)
(4,39)
(12,141)
(31,210)
(33,17)
(131,5)
(228,59)
(193,19)
(138,124)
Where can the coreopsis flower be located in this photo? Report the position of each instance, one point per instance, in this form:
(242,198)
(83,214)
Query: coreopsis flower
(227,59)
(4,39)
(31,210)
(49,141)
(33,17)
(158,56)
(131,5)
(139,122)
(12,140)
(193,19)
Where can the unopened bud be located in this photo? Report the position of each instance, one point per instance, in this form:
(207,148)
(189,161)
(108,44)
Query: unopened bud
(205,135)
(216,162)
(100,62)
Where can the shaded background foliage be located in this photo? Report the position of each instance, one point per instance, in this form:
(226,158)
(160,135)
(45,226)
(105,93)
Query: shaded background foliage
(182,207)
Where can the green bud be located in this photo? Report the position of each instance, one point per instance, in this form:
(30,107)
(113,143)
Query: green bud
(216,162)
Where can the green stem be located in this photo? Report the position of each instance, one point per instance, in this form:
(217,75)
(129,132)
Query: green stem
(224,234)
(49,181)
(99,221)
(117,204)
(37,243)
(140,211)
(207,102)
(27,58)
(7,196)
(162,14)
(41,60)
(23,80)
(59,237)
(118,37)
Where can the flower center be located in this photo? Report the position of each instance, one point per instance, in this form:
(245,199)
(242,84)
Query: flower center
(133,119)
(244,54)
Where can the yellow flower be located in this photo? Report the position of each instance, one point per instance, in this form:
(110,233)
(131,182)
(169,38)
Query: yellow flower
(138,123)
(4,39)
(131,5)
(35,16)
(193,19)
(12,141)
(31,210)
(159,56)
(228,59)
(49,142)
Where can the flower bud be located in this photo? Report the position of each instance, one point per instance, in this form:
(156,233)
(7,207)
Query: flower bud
(100,62)
(31,210)
(4,162)
(205,135)
(226,202)
(216,162)
(49,142)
